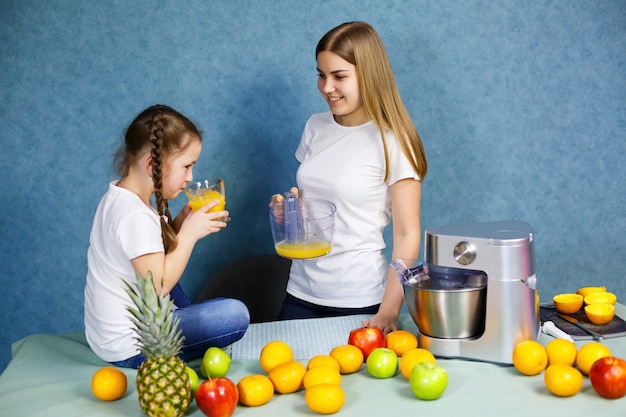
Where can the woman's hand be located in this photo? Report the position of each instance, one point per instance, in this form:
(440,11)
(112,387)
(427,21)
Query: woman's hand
(279,198)
(386,323)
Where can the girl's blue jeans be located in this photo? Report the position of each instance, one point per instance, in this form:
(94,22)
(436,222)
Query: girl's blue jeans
(217,322)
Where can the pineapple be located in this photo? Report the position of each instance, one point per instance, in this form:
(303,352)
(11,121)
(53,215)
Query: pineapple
(163,385)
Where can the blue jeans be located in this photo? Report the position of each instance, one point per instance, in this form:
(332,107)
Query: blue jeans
(218,322)
(296,308)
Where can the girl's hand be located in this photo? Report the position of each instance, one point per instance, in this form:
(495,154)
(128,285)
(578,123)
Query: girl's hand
(201,223)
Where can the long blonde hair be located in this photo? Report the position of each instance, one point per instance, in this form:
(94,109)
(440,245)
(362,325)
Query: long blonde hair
(165,132)
(359,44)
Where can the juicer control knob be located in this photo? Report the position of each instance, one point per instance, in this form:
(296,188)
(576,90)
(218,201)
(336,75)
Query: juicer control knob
(465,253)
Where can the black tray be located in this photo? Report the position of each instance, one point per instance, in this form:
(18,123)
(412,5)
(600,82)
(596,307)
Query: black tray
(615,328)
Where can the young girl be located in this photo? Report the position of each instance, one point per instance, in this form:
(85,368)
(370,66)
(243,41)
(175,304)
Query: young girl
(130,237)
(366,157)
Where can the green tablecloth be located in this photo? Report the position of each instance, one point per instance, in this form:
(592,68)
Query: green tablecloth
(50,375)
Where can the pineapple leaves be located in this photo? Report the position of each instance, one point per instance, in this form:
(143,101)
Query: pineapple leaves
(154,319)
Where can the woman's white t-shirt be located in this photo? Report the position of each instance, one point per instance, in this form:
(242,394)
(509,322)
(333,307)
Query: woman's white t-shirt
(124,228)
(346,165)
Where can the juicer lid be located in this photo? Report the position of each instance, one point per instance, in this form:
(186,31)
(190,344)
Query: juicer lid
(499,233)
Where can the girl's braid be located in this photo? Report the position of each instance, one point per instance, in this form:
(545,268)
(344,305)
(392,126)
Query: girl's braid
(156,142)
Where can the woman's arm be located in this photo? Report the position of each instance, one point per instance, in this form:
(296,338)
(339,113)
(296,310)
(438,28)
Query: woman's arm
(405,209)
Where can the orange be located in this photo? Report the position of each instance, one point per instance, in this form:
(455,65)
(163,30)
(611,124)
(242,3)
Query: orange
(568,303)
(321,375)
(561,351)
(401,341)
(325,398)
(325,360)
(255,390)
(601,298)
(563,380)
(412,358)
(108,384)
(585,291)
(275,353)
(350,358)
(287,377)
(588,354)
(600,313)
(529,357)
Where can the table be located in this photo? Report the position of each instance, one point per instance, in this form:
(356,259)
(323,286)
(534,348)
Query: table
(50,375)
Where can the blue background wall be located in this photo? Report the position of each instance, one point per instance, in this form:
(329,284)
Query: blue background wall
(521,107)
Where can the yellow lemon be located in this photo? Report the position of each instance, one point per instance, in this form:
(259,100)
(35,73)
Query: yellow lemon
(325,398)
(275,353)
(568,303)
(588,354)
(600,313)
(529,357)
(561,351)
(563,380)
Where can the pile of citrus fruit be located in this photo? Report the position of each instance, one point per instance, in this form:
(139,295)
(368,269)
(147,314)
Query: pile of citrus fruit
(564,364)
(599,304)
(321,376)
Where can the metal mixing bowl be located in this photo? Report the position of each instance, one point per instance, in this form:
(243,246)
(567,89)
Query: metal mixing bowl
(446,303)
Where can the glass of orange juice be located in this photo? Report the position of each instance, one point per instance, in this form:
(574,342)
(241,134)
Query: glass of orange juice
(201,193)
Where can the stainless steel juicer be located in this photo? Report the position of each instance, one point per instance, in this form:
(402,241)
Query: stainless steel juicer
(475,297)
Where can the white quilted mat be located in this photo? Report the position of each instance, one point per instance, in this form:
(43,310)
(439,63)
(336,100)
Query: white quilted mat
(307,338)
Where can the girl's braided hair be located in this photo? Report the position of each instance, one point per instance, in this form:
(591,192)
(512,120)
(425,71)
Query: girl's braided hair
(163,132)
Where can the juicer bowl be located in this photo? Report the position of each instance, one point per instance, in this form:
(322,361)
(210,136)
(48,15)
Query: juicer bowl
(303,228)
(446,303)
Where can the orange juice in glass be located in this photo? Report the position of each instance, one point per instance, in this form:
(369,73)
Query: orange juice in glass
(201,193)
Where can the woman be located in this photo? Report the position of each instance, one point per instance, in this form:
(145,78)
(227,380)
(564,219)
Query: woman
(366,157)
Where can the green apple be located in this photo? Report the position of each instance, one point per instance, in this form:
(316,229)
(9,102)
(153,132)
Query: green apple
(428,380)
(382,363)
(194,381)
(215,363)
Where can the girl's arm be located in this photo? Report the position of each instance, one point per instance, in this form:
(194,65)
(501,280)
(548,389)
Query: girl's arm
(194,227)
(405,209)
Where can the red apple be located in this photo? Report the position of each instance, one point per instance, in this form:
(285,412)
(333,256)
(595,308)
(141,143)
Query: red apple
(608,377)
(217,397)
(367,339)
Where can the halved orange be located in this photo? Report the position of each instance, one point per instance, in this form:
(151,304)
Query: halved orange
(585,291)
(568,303)
(600,313)
(601,298)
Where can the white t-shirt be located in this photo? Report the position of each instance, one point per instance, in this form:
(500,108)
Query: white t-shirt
(346,165)
(124,228)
